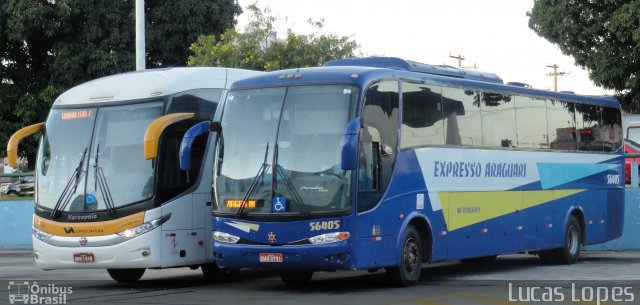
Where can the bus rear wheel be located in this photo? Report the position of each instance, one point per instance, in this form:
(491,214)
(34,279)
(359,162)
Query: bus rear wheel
(570,250)
(296,277)
(407,273)
(213,273)
(126,275)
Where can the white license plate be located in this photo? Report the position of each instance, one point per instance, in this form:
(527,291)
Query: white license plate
(271,257)
(83,258)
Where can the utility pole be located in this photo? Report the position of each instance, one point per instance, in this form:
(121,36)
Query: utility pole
(459,57)
(555,75)
(140,36)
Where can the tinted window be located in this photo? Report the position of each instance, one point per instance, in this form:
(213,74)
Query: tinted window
(203,102)
(463,125)
(561,125)
(611,128)
(588,132)
(498,120)
(531,122)
(422,116)
(380,116)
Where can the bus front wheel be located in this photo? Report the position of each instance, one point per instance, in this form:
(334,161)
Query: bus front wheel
(407,273)
(296,277)
(126,275)
(214,273)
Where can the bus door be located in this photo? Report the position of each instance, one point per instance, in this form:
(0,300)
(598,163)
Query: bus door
(378,143)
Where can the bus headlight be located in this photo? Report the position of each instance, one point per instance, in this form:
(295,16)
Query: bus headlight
(225,237)
(144,228)
(329,238)
(40,234)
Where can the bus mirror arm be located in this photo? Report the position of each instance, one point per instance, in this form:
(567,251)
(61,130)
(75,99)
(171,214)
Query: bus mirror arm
(349,156)
(155,130)
(190,137)
(215,126)
(12,145)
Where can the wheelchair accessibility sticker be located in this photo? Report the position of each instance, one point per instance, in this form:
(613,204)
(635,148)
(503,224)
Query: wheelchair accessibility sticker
(279,205)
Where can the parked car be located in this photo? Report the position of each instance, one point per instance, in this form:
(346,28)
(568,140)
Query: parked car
(3,187)
(22,187)
(630,147)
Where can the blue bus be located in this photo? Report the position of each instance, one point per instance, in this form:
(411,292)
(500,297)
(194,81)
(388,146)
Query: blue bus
(386,163)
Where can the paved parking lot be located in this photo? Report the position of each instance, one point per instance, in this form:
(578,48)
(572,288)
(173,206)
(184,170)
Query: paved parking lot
(512,279)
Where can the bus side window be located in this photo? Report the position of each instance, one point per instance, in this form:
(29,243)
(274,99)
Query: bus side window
(561,125)
(611,128)
(380,135)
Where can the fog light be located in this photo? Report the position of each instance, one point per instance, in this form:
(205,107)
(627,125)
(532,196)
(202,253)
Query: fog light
(146,253)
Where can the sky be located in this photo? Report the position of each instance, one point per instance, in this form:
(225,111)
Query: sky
(492,34)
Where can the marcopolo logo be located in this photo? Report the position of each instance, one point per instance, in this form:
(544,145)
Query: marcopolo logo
(24,292)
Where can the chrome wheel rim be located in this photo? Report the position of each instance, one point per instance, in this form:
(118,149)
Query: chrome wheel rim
(411,256)
(573,240)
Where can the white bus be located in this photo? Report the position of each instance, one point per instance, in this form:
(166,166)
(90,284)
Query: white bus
(109,192)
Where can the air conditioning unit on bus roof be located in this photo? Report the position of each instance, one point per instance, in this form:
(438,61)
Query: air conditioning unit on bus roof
(398,63)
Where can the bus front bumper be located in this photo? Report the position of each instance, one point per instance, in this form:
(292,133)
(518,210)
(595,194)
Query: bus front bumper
(139,252)
(334,256)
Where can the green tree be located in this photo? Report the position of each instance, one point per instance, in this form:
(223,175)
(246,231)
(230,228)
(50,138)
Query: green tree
(602,36)
(257,46)
(48,46)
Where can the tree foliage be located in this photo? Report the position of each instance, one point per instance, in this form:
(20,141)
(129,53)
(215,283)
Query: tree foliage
(48,46)
(602,36)
(258,47)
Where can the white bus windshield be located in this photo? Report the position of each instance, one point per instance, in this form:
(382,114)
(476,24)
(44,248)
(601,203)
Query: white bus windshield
(112,138)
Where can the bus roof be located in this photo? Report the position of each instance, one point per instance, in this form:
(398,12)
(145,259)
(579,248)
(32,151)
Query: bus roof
(362,73)
(150,83)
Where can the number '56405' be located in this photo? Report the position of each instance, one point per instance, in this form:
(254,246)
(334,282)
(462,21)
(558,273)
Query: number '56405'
(324,225)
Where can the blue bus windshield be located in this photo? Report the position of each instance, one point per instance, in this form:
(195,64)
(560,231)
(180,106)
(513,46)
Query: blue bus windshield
(299,129)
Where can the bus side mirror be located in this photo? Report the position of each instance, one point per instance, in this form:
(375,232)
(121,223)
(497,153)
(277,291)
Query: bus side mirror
(349,157)
(190,137)
(12,145)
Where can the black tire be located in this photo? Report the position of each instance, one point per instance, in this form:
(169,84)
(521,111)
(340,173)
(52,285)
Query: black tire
(407,273)
(213,273)
(484,260)
(13,193)
(570,250)
(296,277)
(547,257)
(126,275)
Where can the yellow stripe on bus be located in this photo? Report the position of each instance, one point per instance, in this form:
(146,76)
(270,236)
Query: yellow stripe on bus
(462,209)
(96,228)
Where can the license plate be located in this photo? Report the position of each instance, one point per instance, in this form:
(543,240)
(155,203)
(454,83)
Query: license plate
(83,258)
(271,257)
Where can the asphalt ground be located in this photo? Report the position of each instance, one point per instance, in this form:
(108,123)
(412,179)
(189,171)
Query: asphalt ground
(598,278)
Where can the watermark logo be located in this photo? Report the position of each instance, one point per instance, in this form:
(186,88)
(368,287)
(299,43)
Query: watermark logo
(24,292)
(577,294)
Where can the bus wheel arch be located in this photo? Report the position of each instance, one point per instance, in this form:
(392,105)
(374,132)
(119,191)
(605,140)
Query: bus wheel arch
(579,215)
(414,248)
(426,238)
(573,237)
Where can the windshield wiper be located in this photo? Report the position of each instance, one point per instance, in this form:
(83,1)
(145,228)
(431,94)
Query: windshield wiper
(65,197)
(297,199)
(101,182)
(254,183)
